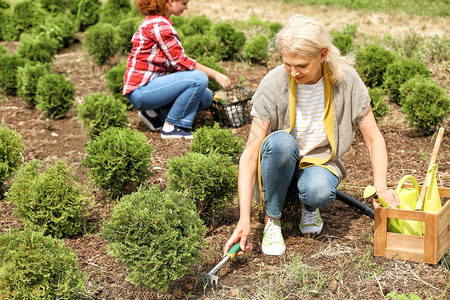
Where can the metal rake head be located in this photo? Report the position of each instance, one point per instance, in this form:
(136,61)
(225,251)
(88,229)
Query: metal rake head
(208,280)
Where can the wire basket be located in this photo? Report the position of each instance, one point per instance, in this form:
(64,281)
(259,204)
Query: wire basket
(234,111)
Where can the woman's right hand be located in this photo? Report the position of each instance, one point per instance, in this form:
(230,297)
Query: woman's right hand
(223,80)
(240,234)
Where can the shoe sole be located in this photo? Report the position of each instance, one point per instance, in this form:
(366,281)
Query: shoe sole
(268,252)
(316,231)
(147,122)
(175,137)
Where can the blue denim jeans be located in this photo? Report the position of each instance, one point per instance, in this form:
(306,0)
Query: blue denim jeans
(176,97)
(316,186)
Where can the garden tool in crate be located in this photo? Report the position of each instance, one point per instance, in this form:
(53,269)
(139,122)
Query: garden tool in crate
(211,279)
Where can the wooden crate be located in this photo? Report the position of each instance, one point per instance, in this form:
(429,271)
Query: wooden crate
(429,248)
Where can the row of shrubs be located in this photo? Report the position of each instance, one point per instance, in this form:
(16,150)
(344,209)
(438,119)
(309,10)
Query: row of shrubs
(157,234)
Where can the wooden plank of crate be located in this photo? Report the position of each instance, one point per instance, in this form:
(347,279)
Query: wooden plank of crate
(430,236)
(404,246)
(443,231)
(380,231)
(405,214)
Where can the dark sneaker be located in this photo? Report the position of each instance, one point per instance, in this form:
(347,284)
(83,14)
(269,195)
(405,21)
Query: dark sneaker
(177,133)
(154,123)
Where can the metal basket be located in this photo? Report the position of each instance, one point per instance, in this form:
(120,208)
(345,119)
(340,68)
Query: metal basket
(236,113)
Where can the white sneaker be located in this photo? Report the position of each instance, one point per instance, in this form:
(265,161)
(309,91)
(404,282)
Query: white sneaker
(272,242)
(311,222)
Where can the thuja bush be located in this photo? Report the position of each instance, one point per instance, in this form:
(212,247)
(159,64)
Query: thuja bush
(231,40)
(157,235)
(199,46)
(399,72)
(28,14)
(11,148)
(53,6)
(37,48)
(113,10)
(55,95)
(87,12)
(49,196)
(3,50)
(372,63)
(61,27)
(119,160)
(273,29)
(195,25)
(101,41)
(125,29)
(211,181)
(34,266)
(211,62)
(99,112)
(378,104)
(9,65)
(344,39)
(425,104)
(8,29)
(114,82)
(217,140)
(256,49)
(27,79)
(4,4)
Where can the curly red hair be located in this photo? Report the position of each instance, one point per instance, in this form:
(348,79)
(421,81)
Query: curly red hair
(152,7)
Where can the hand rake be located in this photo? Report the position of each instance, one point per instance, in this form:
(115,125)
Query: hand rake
(211,279)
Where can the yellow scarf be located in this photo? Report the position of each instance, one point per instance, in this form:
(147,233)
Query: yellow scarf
(328,122)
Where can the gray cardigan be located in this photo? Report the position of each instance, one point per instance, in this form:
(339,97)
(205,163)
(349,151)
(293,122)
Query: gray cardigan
(350,104)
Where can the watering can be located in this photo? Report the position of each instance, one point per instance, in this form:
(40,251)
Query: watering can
(432,202)
(408,198)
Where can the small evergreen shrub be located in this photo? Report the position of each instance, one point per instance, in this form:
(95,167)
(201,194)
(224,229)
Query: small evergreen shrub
(273,29)
(126,29)
(101,41)
(114,82)
(4,5)
(344,40)
(372,64)
(3,50)
(27,79)
(87,12)
(37,48)
(378,104)
(28,14)
(217,140)
(399,72)
(231,40)
(157,235)
(210,179)
(99,112)
(55,95)
(256,49)
(53,6)
(199,46)
(50,197)
(61,27)
(195,25)
(119,160)
(11,148)
(9,65)
(34,266)
(425,104)
(178,21)
(113,10)
(9,30)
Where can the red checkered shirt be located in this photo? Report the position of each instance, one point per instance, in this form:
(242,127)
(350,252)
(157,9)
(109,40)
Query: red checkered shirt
(156,51)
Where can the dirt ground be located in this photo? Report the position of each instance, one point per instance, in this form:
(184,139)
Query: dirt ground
(347,238)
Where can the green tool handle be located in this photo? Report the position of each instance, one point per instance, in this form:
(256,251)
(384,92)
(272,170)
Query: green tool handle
(235,249)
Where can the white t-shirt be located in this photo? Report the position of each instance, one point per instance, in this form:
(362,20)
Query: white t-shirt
(309,130)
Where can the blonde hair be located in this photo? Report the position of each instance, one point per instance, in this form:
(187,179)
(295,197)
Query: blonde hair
(305,36)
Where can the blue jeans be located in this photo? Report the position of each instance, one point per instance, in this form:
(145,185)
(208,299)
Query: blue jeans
(176,97)
(316,186)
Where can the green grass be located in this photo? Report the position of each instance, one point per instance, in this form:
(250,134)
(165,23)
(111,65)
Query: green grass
(435,8)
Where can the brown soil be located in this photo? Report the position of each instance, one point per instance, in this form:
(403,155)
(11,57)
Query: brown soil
(337,253)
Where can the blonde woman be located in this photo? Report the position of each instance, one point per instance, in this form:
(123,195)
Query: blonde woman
(305,113)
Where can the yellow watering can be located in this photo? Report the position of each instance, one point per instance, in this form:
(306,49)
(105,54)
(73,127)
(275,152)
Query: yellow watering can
(432,202)
(408,198)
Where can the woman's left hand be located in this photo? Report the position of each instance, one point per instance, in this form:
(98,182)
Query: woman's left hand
(223,80)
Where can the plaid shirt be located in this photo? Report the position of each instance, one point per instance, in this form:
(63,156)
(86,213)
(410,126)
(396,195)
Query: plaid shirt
(156,51)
